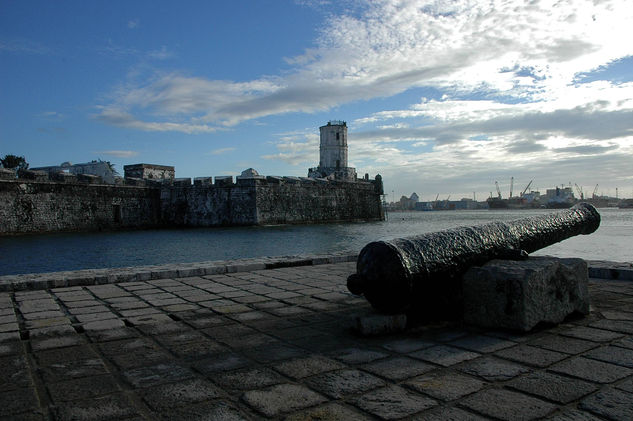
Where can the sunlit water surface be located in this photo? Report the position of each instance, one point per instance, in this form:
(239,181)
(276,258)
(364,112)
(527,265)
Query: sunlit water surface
(70,251)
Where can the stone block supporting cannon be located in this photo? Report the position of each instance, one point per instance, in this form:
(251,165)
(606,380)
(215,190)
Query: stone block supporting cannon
(422,274)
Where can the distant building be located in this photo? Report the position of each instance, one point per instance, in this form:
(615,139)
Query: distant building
(102,169)
(408,203)
(424,206)
(150,172)
(560,197)
(333,153)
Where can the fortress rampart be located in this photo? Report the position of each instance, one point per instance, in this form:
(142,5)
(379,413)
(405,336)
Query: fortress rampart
(39,202)
(58,199)
(30,206)
(270,200)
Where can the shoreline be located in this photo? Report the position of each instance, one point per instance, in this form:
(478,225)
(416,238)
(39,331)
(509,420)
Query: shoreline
(599,269)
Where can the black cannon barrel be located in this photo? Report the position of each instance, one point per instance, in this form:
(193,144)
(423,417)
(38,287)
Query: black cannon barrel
(422,269)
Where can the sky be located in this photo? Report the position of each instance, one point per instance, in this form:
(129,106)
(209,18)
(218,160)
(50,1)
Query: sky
(440,97)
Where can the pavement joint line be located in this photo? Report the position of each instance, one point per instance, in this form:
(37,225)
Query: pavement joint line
(330,339)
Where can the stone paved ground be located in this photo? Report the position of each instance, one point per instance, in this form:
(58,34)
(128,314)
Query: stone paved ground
(277,344)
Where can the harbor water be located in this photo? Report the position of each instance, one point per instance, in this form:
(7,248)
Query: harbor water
(613,241)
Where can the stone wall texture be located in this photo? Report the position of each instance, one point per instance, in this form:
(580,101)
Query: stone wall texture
(31,206)
(316,201)
(208,205)
(28,206)
(261,202)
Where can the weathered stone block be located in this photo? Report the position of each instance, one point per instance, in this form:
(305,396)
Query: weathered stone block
(223,180)
(63,177)
(7,174)
(520,294)
(133,181)
(89,179)
(182,182)
(274,179)
(33,175)
(203,181)
(380,324)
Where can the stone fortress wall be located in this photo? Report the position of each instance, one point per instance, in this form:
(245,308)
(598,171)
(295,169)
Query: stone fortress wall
(34,203)
(150,196)
(38,204)
(259,200)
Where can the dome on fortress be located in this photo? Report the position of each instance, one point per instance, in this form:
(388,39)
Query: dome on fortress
(249,173)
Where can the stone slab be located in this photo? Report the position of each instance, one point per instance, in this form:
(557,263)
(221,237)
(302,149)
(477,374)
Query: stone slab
(521,294)
(445,386)
(338,384)
(380,324)
(329,412)
(248,379)
(207,410)
(165,396)
(109,407)
(493,369)
(610,403)
(588,369)
(398,368)
(553,387)
(281,399)
(508,405)
(305,367)
(16,401)
(393,402)
(444,355)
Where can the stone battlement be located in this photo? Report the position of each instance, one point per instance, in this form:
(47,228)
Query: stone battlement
(49,202)
(217,181)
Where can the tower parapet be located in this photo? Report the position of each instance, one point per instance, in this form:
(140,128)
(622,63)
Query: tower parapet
(333,153)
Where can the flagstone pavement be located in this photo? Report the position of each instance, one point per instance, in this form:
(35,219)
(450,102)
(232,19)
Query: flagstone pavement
(278,344)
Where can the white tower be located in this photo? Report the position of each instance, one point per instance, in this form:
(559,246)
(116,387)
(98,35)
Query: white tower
(333,153)
(333,147)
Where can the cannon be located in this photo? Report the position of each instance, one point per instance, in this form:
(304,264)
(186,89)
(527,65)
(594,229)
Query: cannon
(421,274)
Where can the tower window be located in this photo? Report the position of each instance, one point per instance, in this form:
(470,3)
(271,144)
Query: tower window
(338,136)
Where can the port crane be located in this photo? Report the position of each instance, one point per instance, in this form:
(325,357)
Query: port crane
(511,187)
(498,189)
(593,195)
(526,188)
(580,193)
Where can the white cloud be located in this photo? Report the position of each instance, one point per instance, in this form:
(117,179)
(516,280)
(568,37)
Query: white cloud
(120,118)
(51,115)
(221,151)
(133,24)
(25,46)
(521,57)
(300,147)
(162,54)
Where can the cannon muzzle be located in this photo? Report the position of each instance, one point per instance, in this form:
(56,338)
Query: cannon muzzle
(425,270)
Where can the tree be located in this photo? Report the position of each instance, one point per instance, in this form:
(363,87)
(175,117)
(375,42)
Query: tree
(14,162)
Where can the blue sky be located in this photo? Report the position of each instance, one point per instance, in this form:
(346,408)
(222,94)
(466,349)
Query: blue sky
(440,97)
